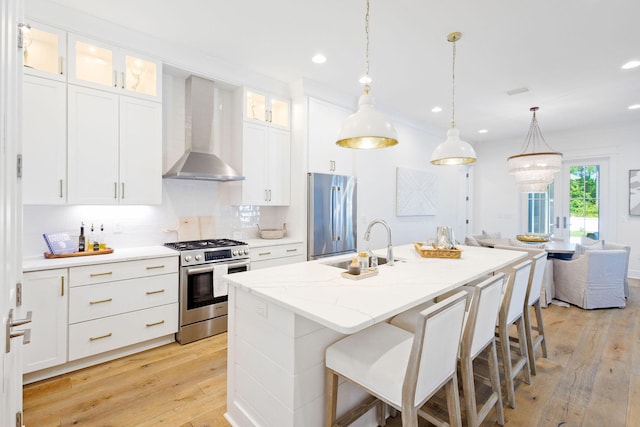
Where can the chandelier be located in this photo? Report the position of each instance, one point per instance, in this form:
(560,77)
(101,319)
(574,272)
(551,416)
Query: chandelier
(366,128)
(453,151)
(534,170)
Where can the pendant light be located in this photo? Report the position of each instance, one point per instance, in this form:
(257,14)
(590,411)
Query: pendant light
(453,151)
(366,128)
(534,170)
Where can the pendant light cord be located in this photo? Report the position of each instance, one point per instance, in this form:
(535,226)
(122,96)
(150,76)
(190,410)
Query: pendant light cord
(453,87)
(367,87)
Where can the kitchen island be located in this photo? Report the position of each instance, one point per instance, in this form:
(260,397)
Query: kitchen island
(282,319)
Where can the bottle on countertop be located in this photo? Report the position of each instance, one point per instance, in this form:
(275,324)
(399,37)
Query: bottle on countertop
(90,239)
(81,238)
(95,244)
(103,244)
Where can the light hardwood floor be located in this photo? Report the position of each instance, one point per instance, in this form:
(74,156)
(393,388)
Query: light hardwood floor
(591,378)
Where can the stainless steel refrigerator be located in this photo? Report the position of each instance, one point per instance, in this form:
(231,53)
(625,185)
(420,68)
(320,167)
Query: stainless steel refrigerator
(331,215)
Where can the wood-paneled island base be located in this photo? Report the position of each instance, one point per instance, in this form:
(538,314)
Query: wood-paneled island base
(282,319)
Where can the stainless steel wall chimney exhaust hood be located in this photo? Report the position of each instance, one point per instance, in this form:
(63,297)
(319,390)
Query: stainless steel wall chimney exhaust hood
(199,162)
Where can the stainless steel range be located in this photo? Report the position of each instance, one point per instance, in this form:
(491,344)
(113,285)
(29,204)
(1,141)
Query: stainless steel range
(203,295)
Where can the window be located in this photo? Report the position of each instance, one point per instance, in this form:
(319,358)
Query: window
(584,201)
(540,212)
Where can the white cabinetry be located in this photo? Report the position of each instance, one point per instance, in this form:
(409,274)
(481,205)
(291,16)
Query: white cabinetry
(45,293)
(276,254)
(103,66)
(266,160)
(118,304)
(264,108)
(45,51)
(44,141)
(324,122)
(114,148)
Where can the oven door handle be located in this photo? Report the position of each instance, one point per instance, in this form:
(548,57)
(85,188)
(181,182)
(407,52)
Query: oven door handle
(243,263)
(200,270)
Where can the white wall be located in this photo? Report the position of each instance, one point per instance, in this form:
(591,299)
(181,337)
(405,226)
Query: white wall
(498,204)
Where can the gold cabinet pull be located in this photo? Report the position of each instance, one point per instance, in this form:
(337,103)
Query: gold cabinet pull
(61,195)
(264,253)
(61,286)
(100,337)
(100,301)
(152,267)
(122,195)
(115,190)
(115,78)
(107,273)
(61,69)
(155,292)
(155,324)
(292,250)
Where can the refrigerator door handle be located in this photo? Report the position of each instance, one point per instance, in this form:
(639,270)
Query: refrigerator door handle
(335,236)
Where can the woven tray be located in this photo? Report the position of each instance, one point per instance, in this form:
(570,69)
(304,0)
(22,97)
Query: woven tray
(430,252)
(533,238)
(49,255)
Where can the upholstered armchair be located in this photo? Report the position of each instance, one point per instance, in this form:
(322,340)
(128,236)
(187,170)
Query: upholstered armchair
(615,246)
(595,279)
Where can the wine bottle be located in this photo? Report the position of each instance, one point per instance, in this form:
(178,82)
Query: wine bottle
(103,244)
(81,241)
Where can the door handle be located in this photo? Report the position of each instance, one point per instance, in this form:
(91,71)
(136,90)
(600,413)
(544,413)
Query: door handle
(557,222)
(25,333)
(564,222)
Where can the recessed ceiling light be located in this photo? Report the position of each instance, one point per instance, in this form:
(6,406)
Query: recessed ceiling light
(483,131)
(631,64)
(634,107)
(436,109)
(319,58)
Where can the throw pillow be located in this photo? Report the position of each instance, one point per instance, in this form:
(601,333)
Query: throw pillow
(581,249)
(492,235)
(587,241)
(471,241)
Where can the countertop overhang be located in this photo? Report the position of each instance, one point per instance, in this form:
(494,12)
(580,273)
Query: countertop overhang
(318,291)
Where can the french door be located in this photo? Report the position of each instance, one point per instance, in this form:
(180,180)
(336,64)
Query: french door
(582,204)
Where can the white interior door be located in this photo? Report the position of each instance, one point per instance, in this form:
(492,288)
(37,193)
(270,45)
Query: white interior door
(583,205)
(10,211)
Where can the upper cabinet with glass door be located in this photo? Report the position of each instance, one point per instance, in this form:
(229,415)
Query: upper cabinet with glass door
(106,67)
(265,108)
(45,51)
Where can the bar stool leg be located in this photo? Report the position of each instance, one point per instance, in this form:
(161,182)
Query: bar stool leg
(494,375)
(332,398)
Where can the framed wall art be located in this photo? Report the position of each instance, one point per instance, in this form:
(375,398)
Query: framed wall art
(634,192)
(415,192)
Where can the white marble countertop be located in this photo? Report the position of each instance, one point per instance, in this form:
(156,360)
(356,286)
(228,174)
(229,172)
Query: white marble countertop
(319,292)
(119,254)
(260,243)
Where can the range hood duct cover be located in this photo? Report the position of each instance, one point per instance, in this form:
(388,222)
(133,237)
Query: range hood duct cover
(199,162)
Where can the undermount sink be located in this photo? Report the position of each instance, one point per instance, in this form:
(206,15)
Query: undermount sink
(344,264)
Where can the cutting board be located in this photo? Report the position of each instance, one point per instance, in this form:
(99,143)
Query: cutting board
(195,228)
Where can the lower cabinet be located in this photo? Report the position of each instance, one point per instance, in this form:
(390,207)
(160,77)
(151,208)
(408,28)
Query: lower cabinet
(108,333)
(45,294)
(87,310)
(274,255)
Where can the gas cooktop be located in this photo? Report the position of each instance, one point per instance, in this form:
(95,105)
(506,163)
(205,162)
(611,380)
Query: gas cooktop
(204,244)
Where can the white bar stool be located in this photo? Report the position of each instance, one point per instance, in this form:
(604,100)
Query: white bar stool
(533,300)
(512,313)
(478,335)
(400,368)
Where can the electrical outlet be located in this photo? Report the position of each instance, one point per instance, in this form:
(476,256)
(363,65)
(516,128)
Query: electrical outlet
(261,309)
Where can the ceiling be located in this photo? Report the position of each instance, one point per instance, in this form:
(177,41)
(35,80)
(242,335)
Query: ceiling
(567,53)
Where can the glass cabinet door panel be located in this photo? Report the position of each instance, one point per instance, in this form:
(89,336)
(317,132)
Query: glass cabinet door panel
(41,51)
(94,64)
(141,75)
(279,113)
(256,106)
